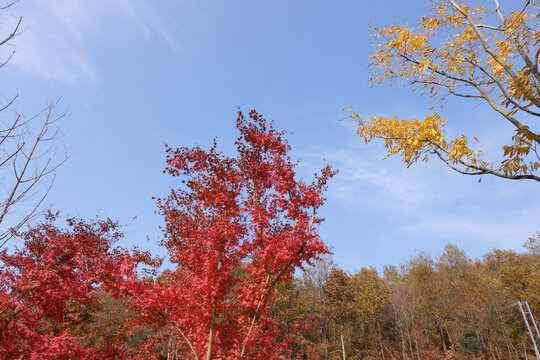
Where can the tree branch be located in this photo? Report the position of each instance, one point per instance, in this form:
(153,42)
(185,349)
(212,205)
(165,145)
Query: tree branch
(493,55)
(177,327)
(270,281)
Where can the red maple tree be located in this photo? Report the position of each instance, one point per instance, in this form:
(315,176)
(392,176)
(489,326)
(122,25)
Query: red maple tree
(50,287)
(235,228)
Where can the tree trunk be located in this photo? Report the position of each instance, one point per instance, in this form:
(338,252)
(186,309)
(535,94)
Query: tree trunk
(326,349)
(410,345)
(443,340)
(342,343)
(380,341)
(402,344)
(211,335)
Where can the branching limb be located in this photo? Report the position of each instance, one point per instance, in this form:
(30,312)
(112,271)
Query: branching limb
(30,165)
(494,56)
(182,333)
(482,170)
(269,284)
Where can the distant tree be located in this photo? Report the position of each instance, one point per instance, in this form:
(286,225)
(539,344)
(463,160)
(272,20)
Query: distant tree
(371,295)
(340,306)
(473,50)
(371,302)
(317,338)
(533,244)
(404,309)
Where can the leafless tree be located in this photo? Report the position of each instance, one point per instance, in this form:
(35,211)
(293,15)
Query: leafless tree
(28,158)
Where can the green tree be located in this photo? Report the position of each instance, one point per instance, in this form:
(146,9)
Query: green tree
(469,343)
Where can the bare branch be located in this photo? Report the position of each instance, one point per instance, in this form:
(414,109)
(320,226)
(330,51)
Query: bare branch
(453,92)
(9,5)
(484,26)
(536,56)
(13,33)
(23,159)
(527,3)
(8,234)
(499,12)
(501,88)
(27,154)
(483,171)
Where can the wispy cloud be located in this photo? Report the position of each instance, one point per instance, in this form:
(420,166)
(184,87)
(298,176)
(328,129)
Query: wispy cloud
(55,36)
(490,230)
(434,203)
(368,179)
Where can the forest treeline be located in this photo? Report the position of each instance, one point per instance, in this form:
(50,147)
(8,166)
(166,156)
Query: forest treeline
(446,307)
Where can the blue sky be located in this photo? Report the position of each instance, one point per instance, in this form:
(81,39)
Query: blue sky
(135,74)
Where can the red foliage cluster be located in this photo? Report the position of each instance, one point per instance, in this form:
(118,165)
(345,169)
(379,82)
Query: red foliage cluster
(235,228)
(49,286)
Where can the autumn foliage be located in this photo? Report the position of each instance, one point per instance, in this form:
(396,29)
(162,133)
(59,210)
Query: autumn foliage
(235,228)
(473,50)
(51,286)
(449,307)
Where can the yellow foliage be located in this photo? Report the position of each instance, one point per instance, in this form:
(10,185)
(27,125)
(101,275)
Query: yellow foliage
(467,50)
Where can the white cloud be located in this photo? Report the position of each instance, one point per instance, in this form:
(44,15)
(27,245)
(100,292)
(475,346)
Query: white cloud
(53,43)
(366,178)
